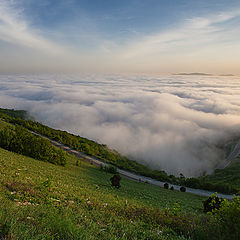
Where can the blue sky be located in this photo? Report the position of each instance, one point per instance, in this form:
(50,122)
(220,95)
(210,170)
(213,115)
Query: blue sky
(119,36)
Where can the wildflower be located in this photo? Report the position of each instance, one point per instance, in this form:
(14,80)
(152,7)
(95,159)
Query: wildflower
(105,204)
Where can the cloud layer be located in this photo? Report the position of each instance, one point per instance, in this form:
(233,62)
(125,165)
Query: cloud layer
(174,123)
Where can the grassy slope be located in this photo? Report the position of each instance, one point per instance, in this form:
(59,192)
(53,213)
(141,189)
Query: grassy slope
(84,145)
(79,203)
(221,181)
(4,124)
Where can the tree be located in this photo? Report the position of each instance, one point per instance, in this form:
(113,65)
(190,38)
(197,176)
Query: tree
(166,185)
(182,189)
(115,180)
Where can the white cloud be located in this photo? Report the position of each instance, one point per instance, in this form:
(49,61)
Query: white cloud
(173,123)
(202,33)
(16,30)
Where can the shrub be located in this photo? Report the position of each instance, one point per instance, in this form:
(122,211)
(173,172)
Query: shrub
(25,143)
(109,168)
(115,180)
(226,219)
(166,185)
(212,203)
(182,189)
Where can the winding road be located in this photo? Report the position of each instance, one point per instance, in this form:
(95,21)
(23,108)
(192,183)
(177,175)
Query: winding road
(133,176)
(139,178)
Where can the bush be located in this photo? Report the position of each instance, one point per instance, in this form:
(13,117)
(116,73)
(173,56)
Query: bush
(212,203)
(115,180)
(182,189)
(166,186)
(25,143)
(110,169)
(226,219)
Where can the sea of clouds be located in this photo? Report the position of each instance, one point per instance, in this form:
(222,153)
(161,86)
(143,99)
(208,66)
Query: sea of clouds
(175,123)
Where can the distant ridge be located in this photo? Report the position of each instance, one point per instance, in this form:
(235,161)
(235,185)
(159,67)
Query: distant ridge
(226,75)
(193,74)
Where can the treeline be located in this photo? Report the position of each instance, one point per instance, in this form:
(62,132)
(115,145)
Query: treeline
(110,156)
(92,148)
(23,142)
(14,113)
(89,147)
(206,184)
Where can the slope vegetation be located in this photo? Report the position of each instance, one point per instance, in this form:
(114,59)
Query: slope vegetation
(39,199)
(101,151)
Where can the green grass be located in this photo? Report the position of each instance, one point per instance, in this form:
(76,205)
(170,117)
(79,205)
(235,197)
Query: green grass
(73,179)
(112,157)
(43,201)
(39,200)
(4,124)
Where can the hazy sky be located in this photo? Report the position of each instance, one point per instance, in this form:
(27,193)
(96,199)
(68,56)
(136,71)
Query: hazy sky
(153,36)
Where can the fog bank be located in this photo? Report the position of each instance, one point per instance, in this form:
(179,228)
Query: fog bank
(174,123)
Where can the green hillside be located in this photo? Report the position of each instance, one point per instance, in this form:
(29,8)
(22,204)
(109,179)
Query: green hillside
(77,202)
(230,174)
(87,146)
(101,151)
(41,200)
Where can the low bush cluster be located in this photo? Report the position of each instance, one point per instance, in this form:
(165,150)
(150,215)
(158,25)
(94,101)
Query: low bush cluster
(108,168)
(115,180)
(166,185)
(226,220)
(23,142)
(204,183)
(212,203)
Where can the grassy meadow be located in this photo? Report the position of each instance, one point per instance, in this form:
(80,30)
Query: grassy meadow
(40,200)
